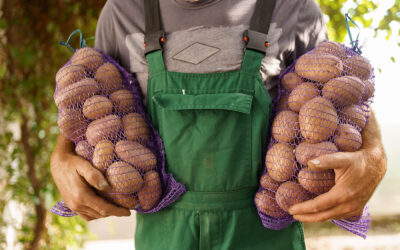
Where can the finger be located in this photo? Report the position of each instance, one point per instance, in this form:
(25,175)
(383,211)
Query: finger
(86,217)
(105,208)
(331,161)
(336,212)
(92,175)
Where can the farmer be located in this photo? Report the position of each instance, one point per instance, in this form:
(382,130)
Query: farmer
(214,144)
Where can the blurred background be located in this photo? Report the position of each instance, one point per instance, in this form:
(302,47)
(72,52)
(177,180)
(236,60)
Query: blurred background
(29,59)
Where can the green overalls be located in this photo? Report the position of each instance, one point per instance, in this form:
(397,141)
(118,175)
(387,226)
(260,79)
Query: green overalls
(214,131)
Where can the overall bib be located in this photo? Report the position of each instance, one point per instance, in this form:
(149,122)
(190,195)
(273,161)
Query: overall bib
(213,127)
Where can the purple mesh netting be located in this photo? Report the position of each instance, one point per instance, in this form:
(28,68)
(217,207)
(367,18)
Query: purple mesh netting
(321,108)
(101,111)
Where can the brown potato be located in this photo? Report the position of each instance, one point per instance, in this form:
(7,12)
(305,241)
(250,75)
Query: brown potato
(84,149)
(318,67)
(317,182)
(291,193)
(103,154)
(302,94)
(333,48)
(151,192)
(358,66)
(268,183)
(280,162)
(306,151)
(70,74)
(96,107)
(135,127)
(104,128)
(285,127)
(368,90)
(318,120)
(88,58)
(265,202)
(124,178)
(283,103)
(344,90)
(108,78)
(136,154)
(76,93)
(72,124)
(122,100)
(129,201)
(347,138)
(354,115)
(290,81)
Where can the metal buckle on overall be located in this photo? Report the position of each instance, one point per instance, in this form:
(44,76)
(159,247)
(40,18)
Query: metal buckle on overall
(256,40)
(154,41)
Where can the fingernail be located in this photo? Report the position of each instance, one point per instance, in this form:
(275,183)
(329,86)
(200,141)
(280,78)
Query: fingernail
(315,162)
(103,184)
(292,210)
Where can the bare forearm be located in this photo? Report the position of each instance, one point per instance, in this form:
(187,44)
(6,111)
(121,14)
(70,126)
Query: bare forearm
(63,147)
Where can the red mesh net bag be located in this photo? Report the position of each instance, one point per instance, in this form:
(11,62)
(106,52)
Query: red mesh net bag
(101,111)
(323,107)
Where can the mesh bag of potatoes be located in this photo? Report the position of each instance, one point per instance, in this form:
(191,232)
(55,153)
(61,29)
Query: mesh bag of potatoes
(101,111)
(323,106)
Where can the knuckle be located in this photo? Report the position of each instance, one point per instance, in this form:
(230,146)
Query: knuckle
(74,206)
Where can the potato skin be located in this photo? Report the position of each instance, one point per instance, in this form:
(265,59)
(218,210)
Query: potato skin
(317,182)
(358,66)
(104,128)
(302,94)
(306,151)
(88,58)
(347,138)
(290,81)
(265,202)
(283,103)
(268,183)
(72,124)
(135,127)
(70,74)
(124,178)
(331,47)
(318,120)
(318,67)
(354,115)
(109,78)
(368,90)
(122,101)
(76,93)
(151,192)
(84,149)
(136,154)
(96,107)
(343,91)
(103,155)
(280,162)
(291,193)
(285,127)
(129,201)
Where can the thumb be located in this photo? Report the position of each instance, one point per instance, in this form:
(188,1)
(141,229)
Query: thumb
(92,175)
(331,161)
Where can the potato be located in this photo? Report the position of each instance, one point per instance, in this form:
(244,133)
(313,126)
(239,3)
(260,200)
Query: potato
(317,182)
(122,100)
(151,192)
(69,74)
(347,138)
(283,103)
(103,154)
(268,183)
(318,67)
(343,91)
(136,154)
(129,201)
(265,202)
(108,78)
(88,58)
(290,81)
(84,149)
(104,128)
(285,126)
(333,48)
(306,151)
(291,193)
(354,115)
(280,162)
(76,93)
(358,66)
(96,107)
(135,127)
(318,120)
(368,90)
(124,178)
(302,94)
(72,124)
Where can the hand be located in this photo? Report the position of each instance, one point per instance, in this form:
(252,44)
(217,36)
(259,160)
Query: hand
(74,177)
(357,174)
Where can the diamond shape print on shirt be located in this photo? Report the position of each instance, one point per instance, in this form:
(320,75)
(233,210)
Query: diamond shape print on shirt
(196,53)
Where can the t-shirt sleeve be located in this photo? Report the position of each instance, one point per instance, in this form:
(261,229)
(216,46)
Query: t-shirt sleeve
(310,28)
(105,31)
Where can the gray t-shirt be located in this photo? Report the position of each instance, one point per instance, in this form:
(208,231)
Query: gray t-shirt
(206,36)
